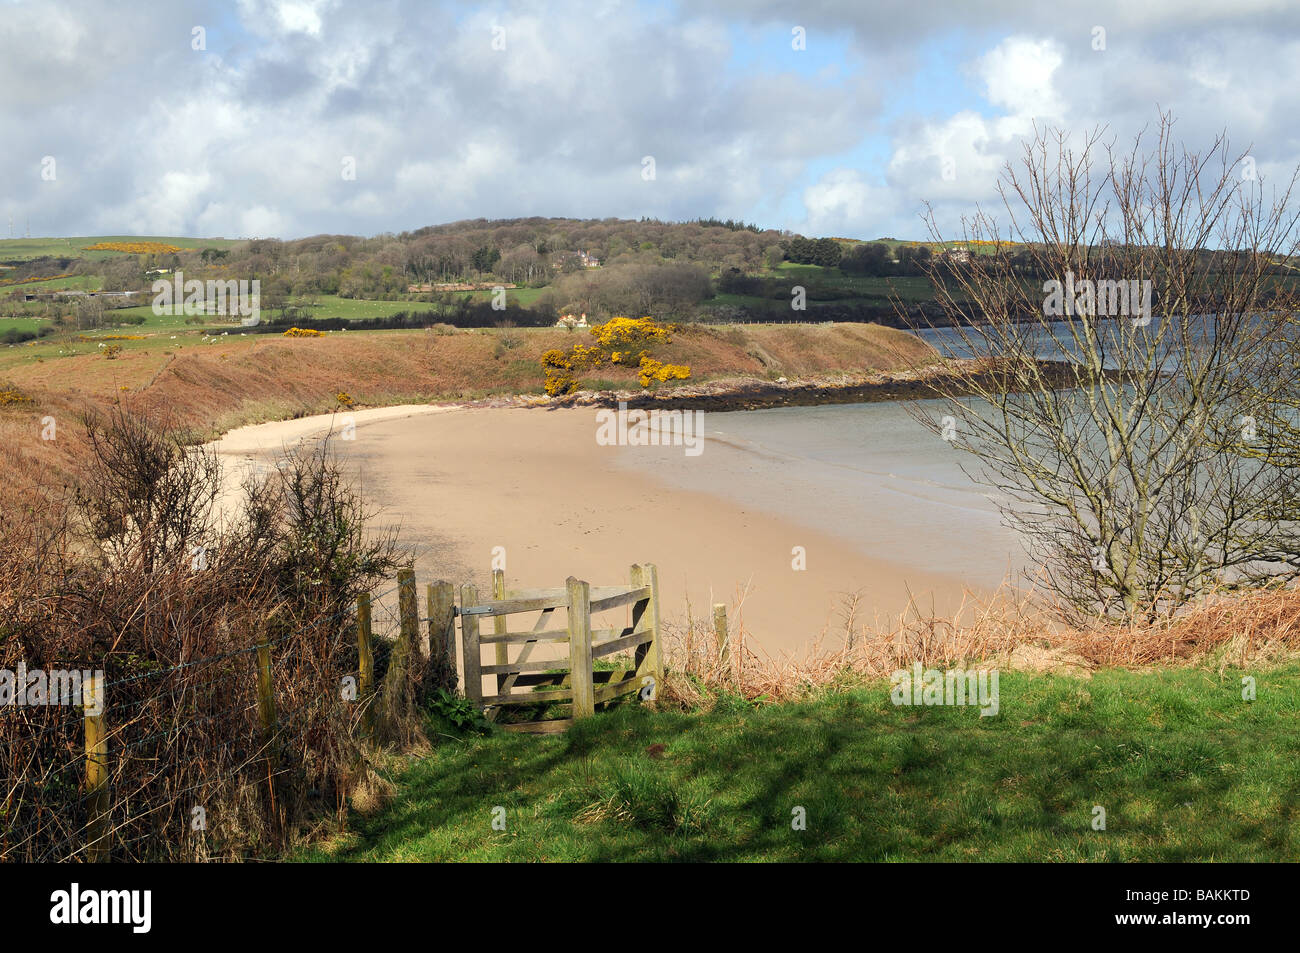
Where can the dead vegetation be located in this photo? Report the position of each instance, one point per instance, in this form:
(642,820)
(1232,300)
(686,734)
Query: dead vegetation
(1007,630)
(131,573)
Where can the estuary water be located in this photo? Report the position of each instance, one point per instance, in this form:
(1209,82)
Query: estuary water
(872,475)
(867,473)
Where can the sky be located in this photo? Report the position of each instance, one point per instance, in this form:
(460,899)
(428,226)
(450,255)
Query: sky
(287,118)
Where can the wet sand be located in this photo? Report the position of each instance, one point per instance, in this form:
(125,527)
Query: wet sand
(458,483)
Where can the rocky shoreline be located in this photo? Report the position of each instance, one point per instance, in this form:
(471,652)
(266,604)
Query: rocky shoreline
(753,393)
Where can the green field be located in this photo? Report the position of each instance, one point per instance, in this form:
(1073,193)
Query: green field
(24,249)
(354,309)
(825,286)
(909,288)
(324,306)
(1183,767)
(20,324)
(78,282)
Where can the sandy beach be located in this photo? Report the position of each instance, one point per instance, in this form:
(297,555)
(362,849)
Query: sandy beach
(458,483)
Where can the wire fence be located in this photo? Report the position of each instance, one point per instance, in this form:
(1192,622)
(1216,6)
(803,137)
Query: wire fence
(220,756)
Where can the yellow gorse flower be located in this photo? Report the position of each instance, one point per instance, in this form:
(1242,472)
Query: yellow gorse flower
(653,371)
(617,341)
(136,248)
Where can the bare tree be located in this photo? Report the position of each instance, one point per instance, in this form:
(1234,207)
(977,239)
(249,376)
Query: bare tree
(1121,339)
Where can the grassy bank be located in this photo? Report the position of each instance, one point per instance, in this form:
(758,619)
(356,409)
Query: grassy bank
(212,384)
(1184,768)
(20,249)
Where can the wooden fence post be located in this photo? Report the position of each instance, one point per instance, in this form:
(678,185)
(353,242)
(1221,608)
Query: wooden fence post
(499,627)
(92,701)
(397,683)
(472,658)
(266,715)
(408,611)
(366,663)
(580,676)
(724,640)
(265,689)
(441,599)
(649,658)
(657,646)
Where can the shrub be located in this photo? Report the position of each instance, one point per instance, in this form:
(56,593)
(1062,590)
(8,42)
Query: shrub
(136,248)
(585,355)
(15,336)
(135,576)
(560,383)
(625,334)
(557,360)
(653,371)
(509,338)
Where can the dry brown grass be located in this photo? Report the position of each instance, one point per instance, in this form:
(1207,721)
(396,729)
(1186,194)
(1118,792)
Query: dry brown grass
(795,350)
(214,387)
(1007,629)
(135,577)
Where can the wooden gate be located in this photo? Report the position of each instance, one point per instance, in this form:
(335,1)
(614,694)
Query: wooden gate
(569,677)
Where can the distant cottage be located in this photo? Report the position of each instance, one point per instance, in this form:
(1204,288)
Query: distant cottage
(584,259)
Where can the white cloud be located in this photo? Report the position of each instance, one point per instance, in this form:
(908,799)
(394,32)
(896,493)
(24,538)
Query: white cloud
(286,16)
(843,203)
(1020,76)
(250,133)
(299,16)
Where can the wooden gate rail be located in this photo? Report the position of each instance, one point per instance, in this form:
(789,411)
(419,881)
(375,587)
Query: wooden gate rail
(571,680)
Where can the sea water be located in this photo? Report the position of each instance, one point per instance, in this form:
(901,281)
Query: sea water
(869,474)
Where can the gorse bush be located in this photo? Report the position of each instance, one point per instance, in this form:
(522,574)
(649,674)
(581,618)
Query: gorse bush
(629,332)
(28,280)
(652,371)
(621,341)
(136,248)
(11,396)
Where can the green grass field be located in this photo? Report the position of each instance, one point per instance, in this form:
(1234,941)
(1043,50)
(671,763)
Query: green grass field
(20,324)
(908,288)
(79,282)
(332,306)
(1183,767)
(325,306)
(24,249)
(825,286)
